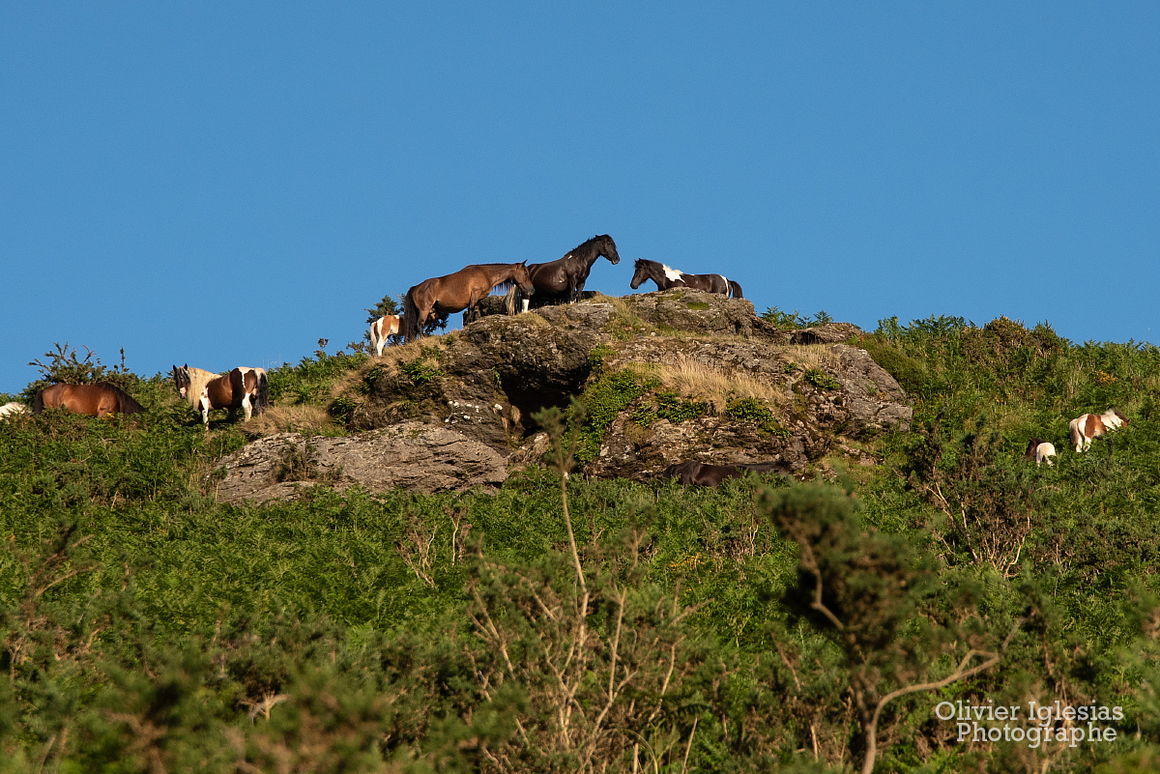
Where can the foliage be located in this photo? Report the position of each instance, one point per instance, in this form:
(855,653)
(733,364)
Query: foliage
(561,624)
(62,365)
(793,320)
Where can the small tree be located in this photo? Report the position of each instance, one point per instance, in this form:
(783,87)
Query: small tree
(387,305)
(62,365)
(875,597)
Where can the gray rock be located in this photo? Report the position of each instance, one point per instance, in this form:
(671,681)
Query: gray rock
(411,455)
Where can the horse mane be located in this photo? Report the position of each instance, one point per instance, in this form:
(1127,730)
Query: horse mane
(198,379)
(127,404)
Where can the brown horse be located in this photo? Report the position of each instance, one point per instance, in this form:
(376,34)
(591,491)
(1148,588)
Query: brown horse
(561,281)
(438,297)
(667,277)
(95,400)
(244,388)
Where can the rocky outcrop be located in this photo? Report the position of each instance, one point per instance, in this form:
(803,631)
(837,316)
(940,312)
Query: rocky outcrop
(412,455)
(665,377)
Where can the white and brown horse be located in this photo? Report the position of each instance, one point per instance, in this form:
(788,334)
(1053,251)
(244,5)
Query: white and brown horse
(245,388)
(12,409)
(667,277)
(1039,451)
(382,330)
(1084,428)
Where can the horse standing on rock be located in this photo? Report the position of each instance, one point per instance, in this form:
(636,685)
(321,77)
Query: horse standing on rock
(667,277)
(562,280)
(438,297)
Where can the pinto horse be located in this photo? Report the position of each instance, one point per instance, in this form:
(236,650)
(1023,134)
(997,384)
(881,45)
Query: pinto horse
(561,281)
(1039,451)
(382,329)
(95,400)
(12,409)
(1085,427)
(438,297)
(693,473)
(244,388)
(667,277)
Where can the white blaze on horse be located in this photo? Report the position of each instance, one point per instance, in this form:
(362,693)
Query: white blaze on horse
(1088,426)
(1039,451)
(244,387)
(382,330)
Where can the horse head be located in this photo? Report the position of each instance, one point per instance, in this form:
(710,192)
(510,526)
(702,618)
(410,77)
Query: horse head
(181,379)
(641,273)
(522,278)
(606,247)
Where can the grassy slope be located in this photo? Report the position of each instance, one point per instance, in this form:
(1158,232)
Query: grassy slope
(144,627)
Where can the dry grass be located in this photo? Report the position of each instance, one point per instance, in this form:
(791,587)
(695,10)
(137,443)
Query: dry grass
(692,378)
(297,418)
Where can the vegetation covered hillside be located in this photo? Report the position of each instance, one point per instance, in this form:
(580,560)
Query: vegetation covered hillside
(928,583)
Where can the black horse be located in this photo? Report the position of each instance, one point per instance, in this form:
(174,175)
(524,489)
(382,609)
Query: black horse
(667,277)
(560,281)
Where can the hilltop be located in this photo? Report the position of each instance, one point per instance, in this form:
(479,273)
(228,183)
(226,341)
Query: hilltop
(663,378)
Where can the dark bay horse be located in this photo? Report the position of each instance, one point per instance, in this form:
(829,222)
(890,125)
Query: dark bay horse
(244,388)
(96,400)
(693,473)
(667,277)
(561,281)
(438,297)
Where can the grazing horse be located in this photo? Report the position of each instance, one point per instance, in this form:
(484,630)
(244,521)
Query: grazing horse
(244,388)
(12,409)
(382,329)
(562,280)
(95,400)
(1084,428)
(438,297)
(667,277)
(1040,451)
(694,473)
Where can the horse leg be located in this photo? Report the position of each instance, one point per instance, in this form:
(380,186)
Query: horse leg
(247,406)
(203,404)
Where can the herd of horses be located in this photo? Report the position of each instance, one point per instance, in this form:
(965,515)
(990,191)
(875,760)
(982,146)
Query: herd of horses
(527,286)
(240,388)
(426,304)
(1081,431)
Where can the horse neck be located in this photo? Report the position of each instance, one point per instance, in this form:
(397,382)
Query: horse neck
(659,273)
(198,379)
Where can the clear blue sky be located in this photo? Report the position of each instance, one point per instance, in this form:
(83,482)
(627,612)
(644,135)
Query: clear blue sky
(223,184)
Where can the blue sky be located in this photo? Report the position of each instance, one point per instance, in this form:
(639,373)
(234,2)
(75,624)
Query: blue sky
(224,184)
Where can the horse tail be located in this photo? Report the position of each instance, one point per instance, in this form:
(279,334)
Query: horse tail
(735,287)
(511,299)
(409,325)
(263,391)
(38,402)
(1075,433)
